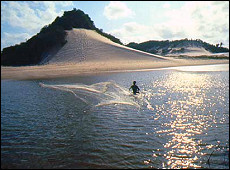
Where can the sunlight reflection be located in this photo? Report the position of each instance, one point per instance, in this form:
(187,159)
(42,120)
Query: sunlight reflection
(186,107)
(188,83)
(216,67)
(183,147)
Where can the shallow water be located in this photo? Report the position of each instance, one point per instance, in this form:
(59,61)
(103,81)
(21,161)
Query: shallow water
(179,120)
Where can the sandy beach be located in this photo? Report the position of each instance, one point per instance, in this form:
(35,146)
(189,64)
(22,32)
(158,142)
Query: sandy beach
(87,52)
(54,70)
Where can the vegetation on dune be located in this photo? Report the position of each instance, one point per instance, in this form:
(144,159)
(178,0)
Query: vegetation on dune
(31,52)
(37,47)
(177,46)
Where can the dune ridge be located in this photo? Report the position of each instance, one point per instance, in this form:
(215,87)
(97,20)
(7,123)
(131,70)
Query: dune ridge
(88,46)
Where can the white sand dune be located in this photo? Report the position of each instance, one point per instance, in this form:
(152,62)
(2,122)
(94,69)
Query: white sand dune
(89,46)
(87,52)
(191,51)
(195,52)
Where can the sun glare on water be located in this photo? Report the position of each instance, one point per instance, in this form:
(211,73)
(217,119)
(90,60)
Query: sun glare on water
(187,116)
(203,68)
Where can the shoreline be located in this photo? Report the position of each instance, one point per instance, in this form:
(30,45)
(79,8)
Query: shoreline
(92,68)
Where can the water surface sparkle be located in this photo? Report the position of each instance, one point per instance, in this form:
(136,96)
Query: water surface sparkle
(179,120)
(190,114)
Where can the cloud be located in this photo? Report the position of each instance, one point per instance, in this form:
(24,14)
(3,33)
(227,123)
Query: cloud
(117,10)
(22,15)
(208,21)
(64,3)
(29,17)
(166,5)
(19,15)
(8,38)
(134,32)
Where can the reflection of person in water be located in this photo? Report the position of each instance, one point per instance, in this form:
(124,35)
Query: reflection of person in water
(135,88)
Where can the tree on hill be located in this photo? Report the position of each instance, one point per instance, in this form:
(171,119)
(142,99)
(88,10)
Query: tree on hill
(221,44)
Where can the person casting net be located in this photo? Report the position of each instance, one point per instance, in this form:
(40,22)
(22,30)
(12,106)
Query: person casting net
(135,88)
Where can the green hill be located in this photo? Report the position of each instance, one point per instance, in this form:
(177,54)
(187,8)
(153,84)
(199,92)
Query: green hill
(177,46)
(33,51)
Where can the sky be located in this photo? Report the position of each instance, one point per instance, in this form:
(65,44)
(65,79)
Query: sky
(130,21)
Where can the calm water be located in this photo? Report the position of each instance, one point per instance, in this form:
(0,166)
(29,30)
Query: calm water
(179,120)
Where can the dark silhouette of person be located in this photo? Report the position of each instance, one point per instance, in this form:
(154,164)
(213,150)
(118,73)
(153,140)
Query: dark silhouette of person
(135,88)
